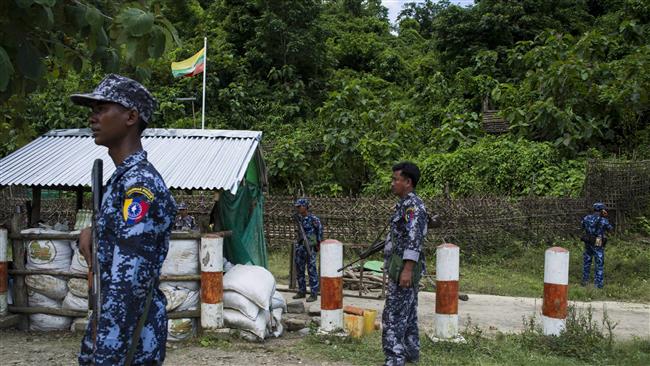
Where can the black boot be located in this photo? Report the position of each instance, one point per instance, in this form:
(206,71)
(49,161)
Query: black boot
(312,298)
(299,295)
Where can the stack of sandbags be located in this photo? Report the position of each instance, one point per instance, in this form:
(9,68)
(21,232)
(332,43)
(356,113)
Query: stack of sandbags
(247,300)
(46,290)
(182,260)
(77,296)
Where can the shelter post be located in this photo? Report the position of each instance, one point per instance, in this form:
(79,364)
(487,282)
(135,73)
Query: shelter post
(211,256)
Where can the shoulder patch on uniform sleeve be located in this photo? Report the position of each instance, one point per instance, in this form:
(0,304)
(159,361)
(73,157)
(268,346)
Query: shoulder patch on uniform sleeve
(409,215)
(137,201)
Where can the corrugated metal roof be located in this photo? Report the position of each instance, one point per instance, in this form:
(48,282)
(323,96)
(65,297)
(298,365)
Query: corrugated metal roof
(187,159)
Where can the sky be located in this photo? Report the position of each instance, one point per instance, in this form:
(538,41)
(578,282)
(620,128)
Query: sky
(394,6)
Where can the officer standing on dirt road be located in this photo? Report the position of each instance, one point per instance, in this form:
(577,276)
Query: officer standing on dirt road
(408,228)
(133,227)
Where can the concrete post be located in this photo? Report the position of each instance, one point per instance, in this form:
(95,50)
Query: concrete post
(447,275)
(211,257)
(331,285)
(556,290)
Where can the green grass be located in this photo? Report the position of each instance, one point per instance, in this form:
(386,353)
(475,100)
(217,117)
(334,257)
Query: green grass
(584,343)
(516,270)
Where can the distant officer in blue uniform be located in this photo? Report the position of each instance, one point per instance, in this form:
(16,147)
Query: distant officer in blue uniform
(133,228)
(314,232)
(184,221)
(595,226)
(408,228)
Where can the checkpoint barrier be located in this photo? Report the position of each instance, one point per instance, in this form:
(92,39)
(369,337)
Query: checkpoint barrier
(556,290)
(331,284)
(214,244)
(447,275)
(211,258)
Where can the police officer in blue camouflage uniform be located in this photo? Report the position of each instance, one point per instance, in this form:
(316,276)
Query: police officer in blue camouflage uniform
(408,228)
(314,232)
(184,221)
(595,225)
(133,228)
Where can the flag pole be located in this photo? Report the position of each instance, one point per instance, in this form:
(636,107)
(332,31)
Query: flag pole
(205,70)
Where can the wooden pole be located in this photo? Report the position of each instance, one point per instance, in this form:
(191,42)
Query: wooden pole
(35,215)
(20,289)
(80,198)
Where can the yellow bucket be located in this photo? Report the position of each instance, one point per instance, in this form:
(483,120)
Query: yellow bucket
(369,317)
(353,324)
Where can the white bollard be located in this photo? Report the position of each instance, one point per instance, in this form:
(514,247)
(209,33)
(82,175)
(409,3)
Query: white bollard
(4,274)
(447,275)
(331,285)
(556,290)
(211,257)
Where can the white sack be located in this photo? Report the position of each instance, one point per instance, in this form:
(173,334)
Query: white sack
(44,322)
(73,302)
(78,263)
(182,258)
(254,282)
(236,301)
(50,286)
(180,329)
(189,285)
(175,295)
(278,302)
(276,324)
(34,299)
(78,287)
(235,319)
(191,301)
(47,254)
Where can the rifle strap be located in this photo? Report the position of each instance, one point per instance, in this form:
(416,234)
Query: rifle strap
(135,340)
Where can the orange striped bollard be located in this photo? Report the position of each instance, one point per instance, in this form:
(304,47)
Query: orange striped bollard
(556,290)
(211,254)
(447,274)
(331,285)
(4,274)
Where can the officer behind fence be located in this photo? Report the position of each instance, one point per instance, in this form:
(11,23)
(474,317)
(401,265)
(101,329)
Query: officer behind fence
(184,221)
(133,228)
(314,232)
(595,227)
(403,259)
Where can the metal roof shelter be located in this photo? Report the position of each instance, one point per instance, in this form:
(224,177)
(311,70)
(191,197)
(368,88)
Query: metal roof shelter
(187,159)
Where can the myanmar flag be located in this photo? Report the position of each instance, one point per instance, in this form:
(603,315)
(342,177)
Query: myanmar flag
(190,67)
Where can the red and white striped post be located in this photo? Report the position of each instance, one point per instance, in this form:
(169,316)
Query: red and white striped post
(447,275)
(331,285)
(4,274)
(556,290)
(211,258)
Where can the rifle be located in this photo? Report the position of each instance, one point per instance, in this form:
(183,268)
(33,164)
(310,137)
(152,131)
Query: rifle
(378,244)
(301,233)
(94,289)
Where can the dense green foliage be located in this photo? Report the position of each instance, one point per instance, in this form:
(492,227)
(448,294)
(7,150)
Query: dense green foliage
(341,94)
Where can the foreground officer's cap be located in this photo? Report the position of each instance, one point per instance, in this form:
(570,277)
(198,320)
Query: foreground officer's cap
(599,206)
(121,90)
(182,206)
(301,202)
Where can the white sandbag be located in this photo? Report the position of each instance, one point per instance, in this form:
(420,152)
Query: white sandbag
(236,301)
(227,265)
(180,329)
(175,295)
(192,301)
(254,282)
(78,263)
(74,302)
(190,285)
(78,287)
(79,324)
(182,258)
(47,254)
(235,319)
(46,323)
(278,302)
(34,299)
(50,286)
(276,328)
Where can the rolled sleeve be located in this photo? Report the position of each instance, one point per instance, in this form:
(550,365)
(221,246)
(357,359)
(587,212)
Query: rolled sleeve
(411,255)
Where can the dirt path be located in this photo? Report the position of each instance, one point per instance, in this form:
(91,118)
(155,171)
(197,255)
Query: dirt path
(491,313)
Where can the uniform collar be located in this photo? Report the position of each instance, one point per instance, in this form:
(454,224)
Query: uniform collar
(128,163)
(407,197)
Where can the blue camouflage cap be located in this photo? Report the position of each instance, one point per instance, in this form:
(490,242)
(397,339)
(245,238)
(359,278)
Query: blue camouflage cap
(121,90)
(301,202)
(599,206)
(182,206)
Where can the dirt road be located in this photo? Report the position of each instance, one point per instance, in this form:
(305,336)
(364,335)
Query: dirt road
(491,313)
